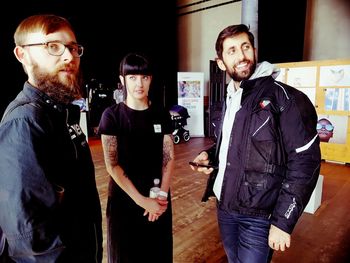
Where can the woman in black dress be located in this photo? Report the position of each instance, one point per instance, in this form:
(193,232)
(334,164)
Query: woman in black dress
(137,146)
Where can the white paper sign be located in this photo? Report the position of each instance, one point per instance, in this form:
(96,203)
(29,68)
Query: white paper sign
(190,95)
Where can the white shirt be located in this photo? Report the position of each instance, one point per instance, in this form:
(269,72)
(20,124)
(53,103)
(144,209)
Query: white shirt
(233,102)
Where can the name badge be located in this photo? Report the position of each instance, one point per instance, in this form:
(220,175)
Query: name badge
(157,128)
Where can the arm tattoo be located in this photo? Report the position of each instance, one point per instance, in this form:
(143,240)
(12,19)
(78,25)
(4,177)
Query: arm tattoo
(110,149)
(167,155)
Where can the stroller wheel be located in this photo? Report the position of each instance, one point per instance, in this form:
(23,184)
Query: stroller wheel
(176,139)
(186,136)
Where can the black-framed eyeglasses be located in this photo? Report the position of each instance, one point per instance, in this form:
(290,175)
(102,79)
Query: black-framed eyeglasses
(328,127)
(56,48)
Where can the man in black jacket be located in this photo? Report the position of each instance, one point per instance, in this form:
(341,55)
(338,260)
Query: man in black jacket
(50,208)
(267,152)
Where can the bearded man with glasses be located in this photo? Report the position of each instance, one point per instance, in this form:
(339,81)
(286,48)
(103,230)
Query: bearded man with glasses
(50,207)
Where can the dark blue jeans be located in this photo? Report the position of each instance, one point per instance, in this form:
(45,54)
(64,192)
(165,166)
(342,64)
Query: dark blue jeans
(245,238)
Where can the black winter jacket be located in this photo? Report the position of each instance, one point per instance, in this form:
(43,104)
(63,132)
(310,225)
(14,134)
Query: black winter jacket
(273,160)
(49,205)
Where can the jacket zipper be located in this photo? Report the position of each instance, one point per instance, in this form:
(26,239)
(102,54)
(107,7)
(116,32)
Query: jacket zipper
(262,125)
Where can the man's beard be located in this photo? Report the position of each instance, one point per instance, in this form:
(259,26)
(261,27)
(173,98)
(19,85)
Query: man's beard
(242,75)
(58,90)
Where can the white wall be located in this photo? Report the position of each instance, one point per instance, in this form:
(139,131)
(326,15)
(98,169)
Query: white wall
(327,30)
(197,33)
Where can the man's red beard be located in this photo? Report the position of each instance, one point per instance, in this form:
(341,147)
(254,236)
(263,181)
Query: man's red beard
(58,90)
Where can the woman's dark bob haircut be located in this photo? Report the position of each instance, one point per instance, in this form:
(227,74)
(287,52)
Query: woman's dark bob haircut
(135,64)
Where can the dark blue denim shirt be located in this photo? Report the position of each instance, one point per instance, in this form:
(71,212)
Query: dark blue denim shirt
(50,208)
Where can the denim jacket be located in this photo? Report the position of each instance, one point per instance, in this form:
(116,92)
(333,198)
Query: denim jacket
(50,208)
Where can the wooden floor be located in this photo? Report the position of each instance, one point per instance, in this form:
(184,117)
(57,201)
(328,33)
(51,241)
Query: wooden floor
(322,237)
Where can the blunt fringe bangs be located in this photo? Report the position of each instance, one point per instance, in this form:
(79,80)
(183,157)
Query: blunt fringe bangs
(135,64)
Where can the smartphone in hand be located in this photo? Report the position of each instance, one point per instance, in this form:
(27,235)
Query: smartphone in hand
(202,165)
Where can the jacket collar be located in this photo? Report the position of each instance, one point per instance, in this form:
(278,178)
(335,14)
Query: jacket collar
(42,97)
(265,69)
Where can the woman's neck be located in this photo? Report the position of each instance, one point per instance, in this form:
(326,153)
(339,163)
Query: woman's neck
(137,104)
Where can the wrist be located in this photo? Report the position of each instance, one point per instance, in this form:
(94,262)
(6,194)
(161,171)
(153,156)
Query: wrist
(163,194)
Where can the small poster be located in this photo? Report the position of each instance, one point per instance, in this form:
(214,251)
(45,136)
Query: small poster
(337,75)
(302,77)
(191,96)
(337,99)
(332,128)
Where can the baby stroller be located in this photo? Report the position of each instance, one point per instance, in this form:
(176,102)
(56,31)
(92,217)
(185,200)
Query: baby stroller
(179,116)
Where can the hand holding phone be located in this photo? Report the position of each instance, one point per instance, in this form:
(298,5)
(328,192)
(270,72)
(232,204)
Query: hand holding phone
(202,165)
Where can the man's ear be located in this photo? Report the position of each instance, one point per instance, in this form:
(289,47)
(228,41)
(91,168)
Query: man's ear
(221,64)
(256,54)
(19,53)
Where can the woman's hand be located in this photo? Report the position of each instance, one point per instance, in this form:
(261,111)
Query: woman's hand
(154,207)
